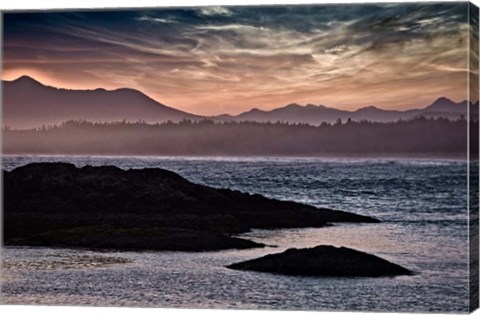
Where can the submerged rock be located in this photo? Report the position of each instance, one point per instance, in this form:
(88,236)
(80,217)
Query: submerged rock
(323,261)
(47,203)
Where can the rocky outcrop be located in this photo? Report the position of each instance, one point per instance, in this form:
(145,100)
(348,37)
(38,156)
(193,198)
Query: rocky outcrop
(45,199)
(323,261)
(158,239)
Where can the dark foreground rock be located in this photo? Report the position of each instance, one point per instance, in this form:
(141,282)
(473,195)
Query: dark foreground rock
(107,237)
(59,204)
(323,261)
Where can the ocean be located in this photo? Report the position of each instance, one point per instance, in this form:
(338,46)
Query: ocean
(422,205)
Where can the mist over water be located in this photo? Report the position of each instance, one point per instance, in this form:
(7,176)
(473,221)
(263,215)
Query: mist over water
(422,205)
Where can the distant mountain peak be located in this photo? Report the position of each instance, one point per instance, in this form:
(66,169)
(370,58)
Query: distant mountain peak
(368,108)
(293,105)
(442,104)
(26,79)
(443,101)
(127,90)
(255,110)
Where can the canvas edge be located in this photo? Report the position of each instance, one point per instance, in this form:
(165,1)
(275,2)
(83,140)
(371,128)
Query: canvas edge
(472,156)
(473,171)
(1,156)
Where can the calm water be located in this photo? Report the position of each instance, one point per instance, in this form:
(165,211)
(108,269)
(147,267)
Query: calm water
(422,205)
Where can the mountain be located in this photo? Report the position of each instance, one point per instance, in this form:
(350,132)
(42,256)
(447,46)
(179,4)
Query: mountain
(295,113)
(28,103)
(443,104)
(317,114)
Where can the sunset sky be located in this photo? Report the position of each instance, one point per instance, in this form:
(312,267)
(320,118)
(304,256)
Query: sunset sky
(215,60)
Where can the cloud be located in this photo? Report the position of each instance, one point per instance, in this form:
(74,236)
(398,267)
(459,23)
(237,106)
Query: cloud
(156,20)
(212,10)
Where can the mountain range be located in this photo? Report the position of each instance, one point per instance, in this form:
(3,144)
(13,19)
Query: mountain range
(316,114)
(28,103)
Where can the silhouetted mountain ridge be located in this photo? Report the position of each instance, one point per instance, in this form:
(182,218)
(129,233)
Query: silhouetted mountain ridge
(316,114)
(28,103)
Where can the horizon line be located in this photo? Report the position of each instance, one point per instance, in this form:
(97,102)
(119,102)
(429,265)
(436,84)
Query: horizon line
(233,115)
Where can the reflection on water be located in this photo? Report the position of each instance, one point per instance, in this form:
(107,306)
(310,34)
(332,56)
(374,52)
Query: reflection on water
(422,205)
(57,260)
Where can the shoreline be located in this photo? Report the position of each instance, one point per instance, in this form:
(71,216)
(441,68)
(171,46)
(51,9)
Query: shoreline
(250,158)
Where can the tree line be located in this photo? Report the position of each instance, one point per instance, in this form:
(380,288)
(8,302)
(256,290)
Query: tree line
(416,137)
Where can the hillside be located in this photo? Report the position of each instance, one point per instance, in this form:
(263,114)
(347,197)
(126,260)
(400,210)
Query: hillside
(28,103)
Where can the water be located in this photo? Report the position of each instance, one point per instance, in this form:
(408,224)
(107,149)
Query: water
(422,205)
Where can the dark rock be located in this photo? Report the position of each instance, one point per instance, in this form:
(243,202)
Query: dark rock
(48,197)
(107,237)
(323,261)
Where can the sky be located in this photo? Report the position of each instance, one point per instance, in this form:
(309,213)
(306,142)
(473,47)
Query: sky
(215,60)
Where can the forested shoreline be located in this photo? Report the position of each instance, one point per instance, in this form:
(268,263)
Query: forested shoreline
(419,136)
